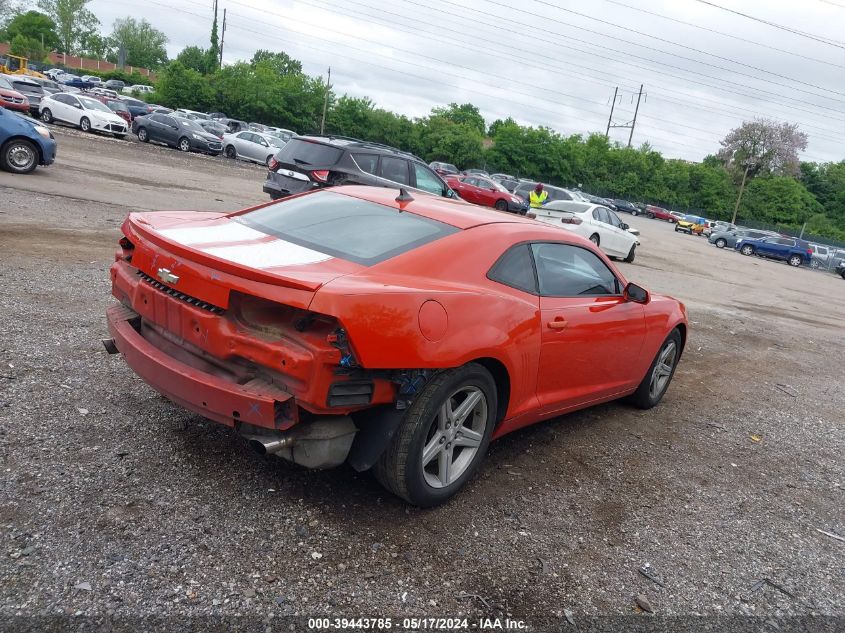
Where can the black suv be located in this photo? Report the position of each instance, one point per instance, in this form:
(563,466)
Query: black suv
(311,162)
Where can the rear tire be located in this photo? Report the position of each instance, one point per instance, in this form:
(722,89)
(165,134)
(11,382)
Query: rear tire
(795,260)
(85,124)
(660,373)
(631,254)
(815,264)
(650,216)
(46,115)
(433,430)
(230,152)
(721,243)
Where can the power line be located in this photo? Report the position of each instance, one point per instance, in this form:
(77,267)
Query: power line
(829,42)
(734,37)
(665,52)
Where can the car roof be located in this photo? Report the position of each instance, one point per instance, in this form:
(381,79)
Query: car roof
(348,142)
(456,213)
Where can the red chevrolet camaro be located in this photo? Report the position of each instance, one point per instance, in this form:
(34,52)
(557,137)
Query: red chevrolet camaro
(394,333)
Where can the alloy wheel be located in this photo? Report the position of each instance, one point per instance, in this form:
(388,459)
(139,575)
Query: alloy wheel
(455,435)
(85,125)
(663,368)
(795,260)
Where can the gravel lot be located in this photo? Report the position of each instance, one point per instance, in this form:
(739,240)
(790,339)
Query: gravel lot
(113,502)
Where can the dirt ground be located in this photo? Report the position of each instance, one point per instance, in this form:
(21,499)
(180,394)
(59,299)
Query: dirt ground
(116,504)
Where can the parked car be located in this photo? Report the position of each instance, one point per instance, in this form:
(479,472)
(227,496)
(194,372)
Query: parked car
(501,177)
(183,134)
(192,114)
(627,207)
(117,106)
(92,79)
(312,162)
(103,92)
(251,146)
(77,82)
(281,133)
(486,192)
(729,238)
(11,99)
(555,193)
(659,213)
(52,73)
(217,115)
(24,143)
(213,127)
(789,249)
(86,113)
(258,127)
(29,88)
(840,269)
(822,256)
(137,107)
(690,224)
(477,172)
(50,87)
(605,202)
(138,88)
(332,296)
(234,125)
(596,223)
(115,84)
(444,169)
(510,185)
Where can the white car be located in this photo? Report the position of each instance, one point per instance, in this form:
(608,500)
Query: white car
(252,146)
(593,221)
(103,92)
(92,79)
(141,88)
(84,112)
(192,114)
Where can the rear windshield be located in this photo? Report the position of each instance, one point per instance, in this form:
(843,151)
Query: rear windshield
(349,228)
(306,153)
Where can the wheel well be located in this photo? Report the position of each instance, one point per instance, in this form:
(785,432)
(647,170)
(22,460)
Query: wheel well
(503,384)
(21,137)
(682,329)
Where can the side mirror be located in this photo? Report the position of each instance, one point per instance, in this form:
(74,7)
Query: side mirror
(624,226)
(492,189)
(636,293)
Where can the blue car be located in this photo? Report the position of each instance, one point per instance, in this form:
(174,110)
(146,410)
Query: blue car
(78,82)
(789,249)
(24,143)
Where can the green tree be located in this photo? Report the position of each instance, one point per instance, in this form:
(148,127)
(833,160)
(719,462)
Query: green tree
(181,87)
(778,200)
(212,62)
(280,63)
(464,114)
(74,21)
(28,47)
(145,46)
(93,44)
(35,26)
(194,57)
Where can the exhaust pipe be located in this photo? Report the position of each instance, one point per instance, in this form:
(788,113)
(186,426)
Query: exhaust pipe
(111,348)
(269,445)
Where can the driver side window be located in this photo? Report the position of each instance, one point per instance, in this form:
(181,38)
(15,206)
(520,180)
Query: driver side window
(564,270)
(427,181)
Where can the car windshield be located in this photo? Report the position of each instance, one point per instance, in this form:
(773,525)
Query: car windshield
(4,83)
(93,104)
(496,185)
(25,86)
(349,228)
(117,106)
(190,124)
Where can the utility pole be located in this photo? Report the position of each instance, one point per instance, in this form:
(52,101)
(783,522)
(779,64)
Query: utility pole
(610,118)
(222,37)
(741,189)
(326,102)
(637,109)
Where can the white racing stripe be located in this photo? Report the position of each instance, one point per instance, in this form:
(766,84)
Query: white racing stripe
(268,254)
(220,233)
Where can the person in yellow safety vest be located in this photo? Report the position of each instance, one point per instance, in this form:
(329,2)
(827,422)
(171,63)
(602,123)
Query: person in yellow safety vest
(538,197)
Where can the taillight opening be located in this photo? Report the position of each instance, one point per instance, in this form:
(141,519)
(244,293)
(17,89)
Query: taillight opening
(126,248)
(273,165)
(320,175)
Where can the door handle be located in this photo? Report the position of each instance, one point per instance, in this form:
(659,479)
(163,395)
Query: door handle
(557,324)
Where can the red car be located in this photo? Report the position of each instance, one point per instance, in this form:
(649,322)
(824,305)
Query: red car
(115,105)
(659,213)
(399,334)
(486,192)
(11,99)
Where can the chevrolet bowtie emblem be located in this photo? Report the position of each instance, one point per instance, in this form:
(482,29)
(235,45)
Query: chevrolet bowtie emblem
(166,276)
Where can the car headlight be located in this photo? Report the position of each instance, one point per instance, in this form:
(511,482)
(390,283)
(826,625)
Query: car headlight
(197,137)
(43,131)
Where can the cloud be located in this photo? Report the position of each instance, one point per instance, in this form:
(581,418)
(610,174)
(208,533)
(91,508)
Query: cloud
(542,64)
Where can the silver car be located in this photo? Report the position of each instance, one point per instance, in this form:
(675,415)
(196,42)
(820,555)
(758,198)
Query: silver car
(251,146)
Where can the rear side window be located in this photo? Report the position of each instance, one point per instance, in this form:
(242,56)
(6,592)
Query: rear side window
(427,180)
(349,228)
(394,169)
(308,153)
(516,269)
(367,162)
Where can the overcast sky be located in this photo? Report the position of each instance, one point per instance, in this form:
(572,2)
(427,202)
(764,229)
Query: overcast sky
(542,63)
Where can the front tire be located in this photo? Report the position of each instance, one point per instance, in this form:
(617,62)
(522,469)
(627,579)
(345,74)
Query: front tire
(721,243)
(747,250)
(230,152)
(442,438)
(815,264)
(660,373)
(85,124)
(142,135)
(184,145)
(46,115)
(19,156)
(631,254)
(501,205)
